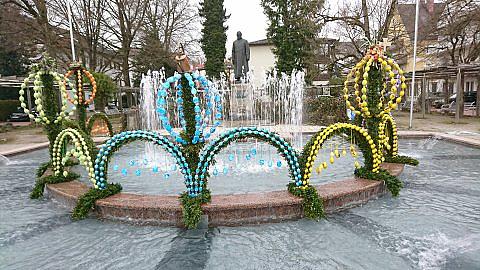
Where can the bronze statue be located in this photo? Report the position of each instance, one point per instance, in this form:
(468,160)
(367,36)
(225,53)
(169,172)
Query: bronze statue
(183,63)
(240,56)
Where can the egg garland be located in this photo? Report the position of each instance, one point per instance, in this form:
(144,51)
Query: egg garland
(361,72)
(201,122)
(80,151)
(78,93)
(121,139)
(38,88)
(384,139)
(162,94)
(216,99)
(325,135)
(212,148)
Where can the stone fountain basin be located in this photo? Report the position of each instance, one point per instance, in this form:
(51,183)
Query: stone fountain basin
(223,210)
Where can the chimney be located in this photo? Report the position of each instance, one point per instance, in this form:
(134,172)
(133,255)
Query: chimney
(430,6)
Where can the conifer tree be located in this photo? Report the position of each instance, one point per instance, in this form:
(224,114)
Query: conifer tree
(214,36)
(293,27)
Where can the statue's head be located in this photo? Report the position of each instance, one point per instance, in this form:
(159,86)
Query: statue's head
(239,35)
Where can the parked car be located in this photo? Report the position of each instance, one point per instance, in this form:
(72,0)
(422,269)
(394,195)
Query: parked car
(20,116)
(452,108)
(467,97)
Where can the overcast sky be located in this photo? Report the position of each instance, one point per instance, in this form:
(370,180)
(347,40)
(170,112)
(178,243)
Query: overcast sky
(245,16)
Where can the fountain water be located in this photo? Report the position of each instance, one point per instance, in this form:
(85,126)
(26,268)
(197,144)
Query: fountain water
(149,119)
(276,104)
(4,160)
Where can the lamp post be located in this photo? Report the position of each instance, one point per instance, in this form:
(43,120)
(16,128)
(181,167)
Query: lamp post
(414,63)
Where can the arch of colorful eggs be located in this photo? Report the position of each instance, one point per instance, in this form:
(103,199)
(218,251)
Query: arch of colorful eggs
(39,97)
(78,71)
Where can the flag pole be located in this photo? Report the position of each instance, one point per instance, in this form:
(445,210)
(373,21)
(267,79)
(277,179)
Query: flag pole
(414,63)
(72,43)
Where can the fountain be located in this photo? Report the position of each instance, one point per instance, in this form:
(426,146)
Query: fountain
(4,160)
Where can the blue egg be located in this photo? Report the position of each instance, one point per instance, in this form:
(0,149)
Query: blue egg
(131,162)
(166,175)
(138,172)
(261,162)
(174,167)
(253,151)
(155,169)
(124,172)
(225,170)
(270,163)
(231,157)
(248,157)
(215,172)
(145,161)
(279,163)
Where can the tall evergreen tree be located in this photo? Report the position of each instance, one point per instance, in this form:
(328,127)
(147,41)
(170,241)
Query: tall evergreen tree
(214,35)
(293,27)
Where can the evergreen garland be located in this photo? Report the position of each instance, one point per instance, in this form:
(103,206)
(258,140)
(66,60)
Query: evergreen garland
(102,116)
(37,191)
(191,206)
(42,169)
(214,36)
(86,202)
(402,160)
(394,185)
(50,99)
(312,203)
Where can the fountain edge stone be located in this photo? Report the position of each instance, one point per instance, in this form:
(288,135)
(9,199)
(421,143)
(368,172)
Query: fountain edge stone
(223,210)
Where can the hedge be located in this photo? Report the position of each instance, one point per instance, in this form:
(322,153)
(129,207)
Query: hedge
(7,107)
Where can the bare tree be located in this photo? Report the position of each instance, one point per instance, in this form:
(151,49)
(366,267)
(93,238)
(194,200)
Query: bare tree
(88,17)
(124,19)
(37,22)
(174,22)
(363,22)
(459,30)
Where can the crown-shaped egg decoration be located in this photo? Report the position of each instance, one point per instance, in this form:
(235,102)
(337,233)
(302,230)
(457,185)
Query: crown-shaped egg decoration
(210,114)
(44,68)
(77,71)
(392,89)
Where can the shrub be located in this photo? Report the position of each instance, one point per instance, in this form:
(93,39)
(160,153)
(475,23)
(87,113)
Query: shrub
(325,110)
(7,107)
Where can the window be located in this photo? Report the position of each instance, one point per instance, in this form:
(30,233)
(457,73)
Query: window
(469,86)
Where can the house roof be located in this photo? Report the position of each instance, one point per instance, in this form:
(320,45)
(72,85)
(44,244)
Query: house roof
(261,42)
(429,15)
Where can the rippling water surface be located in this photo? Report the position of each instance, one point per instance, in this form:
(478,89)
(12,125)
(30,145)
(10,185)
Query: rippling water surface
(433,224)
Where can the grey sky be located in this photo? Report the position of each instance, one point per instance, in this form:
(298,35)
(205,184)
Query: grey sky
(246,16)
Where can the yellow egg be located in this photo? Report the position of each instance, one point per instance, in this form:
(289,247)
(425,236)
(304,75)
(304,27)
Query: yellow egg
(332,160)
(324,164)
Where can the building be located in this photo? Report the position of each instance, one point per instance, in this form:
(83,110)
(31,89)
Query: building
(331,57)
(262,59)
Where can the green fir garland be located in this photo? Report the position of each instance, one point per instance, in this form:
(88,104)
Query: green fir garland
(402,160)
(86,202)
(394,185)
(102,116)
(37,191)
(312,203)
